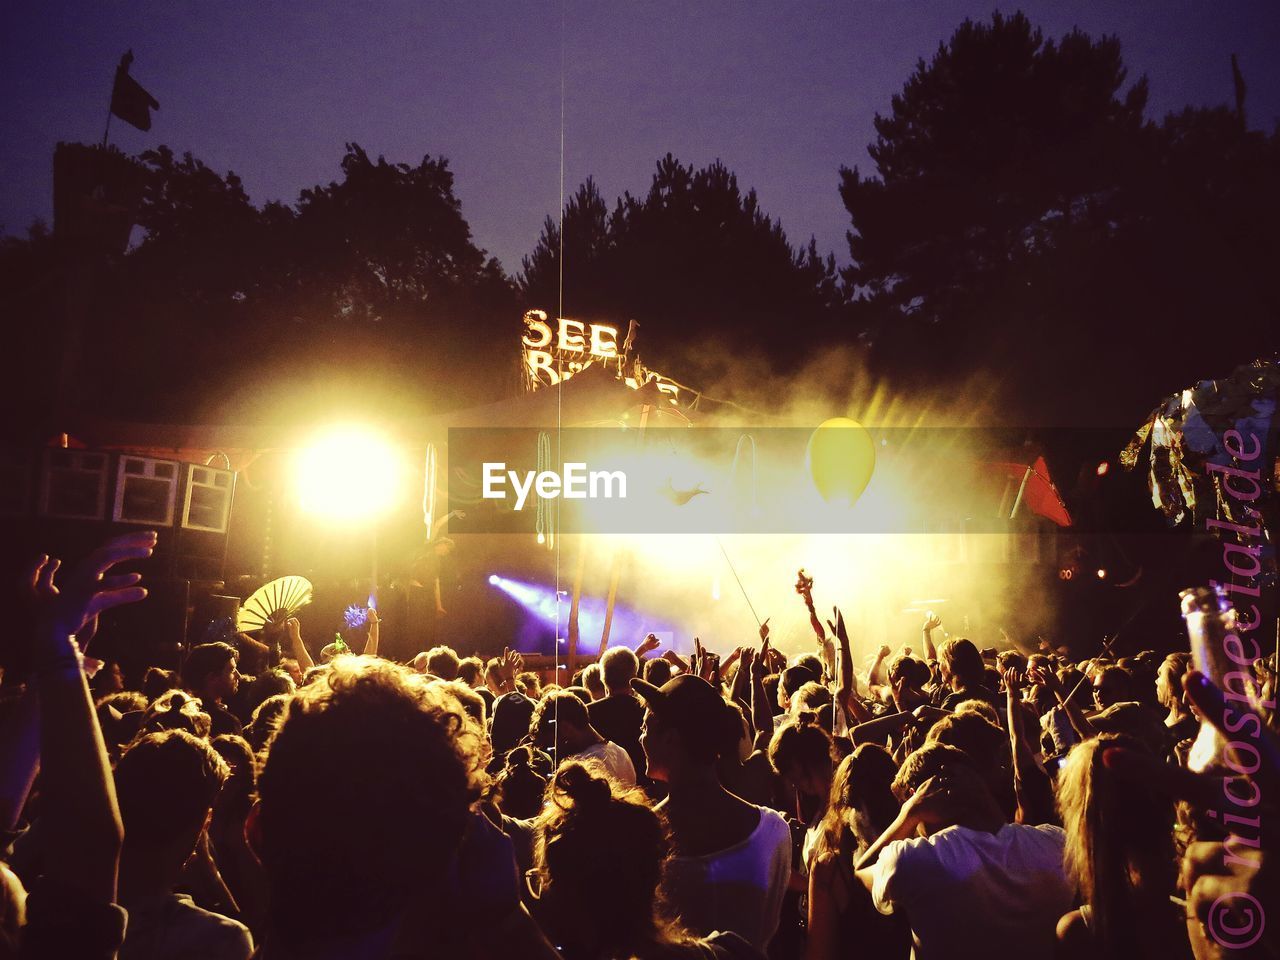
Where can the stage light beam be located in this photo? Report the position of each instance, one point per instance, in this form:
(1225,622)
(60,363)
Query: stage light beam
(552,618)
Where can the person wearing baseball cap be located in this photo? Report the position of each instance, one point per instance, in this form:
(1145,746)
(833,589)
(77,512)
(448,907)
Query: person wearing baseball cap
(732,859)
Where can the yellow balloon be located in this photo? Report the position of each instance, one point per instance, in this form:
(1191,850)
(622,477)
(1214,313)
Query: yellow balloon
(841,457)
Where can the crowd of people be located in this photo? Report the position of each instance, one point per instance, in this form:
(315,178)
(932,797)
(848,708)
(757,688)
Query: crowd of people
(935,801)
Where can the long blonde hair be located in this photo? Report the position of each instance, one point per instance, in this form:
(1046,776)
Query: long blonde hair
(1119,849)
(862,804)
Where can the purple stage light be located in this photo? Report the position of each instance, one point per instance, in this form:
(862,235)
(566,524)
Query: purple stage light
(551,619)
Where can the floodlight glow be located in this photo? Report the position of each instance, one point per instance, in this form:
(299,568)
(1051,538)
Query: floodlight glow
(493,579)
(347,474)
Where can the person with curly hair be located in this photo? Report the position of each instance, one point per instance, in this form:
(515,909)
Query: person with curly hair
(368,786)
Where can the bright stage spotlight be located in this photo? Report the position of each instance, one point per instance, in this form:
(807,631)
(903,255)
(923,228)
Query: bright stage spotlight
(493,579)
(347,474)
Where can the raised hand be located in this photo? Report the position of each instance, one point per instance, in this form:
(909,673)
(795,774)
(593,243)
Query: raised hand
(929,804)
(1225,892)
(932,622)
(371,638)
(1013,680)
(804,587)
(896,686)
(1213,706)
(647,645)
(87,590)
(38,579)
(711,668)
(706,664)
(509,665)
(1039,676)
(837,626)
(764,630)
(676,661)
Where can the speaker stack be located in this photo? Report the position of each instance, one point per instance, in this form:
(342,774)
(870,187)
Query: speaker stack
(64,502)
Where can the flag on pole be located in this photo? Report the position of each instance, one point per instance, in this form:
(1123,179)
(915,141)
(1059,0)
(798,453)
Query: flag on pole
(1037,489)
(1238,79)
(129,101)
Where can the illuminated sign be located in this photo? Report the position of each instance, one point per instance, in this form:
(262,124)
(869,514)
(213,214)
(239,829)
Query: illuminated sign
(554,350)
(553,355)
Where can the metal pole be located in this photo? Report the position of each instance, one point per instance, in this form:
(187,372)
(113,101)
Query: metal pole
(573,606)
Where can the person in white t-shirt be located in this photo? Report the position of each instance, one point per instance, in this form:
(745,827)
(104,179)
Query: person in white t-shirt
(561,723)
(971,884)
(616,761)
(732,859)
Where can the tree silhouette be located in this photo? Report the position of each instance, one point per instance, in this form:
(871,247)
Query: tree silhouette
(587,242)
(368,284)
(387,238)
(694,257)
(1028,223)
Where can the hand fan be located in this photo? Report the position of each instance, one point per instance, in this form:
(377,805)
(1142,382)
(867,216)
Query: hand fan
(273,603)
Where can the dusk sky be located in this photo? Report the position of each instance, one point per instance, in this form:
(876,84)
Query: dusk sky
(783,92)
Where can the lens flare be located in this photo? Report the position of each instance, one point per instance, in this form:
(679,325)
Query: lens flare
(347,475)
